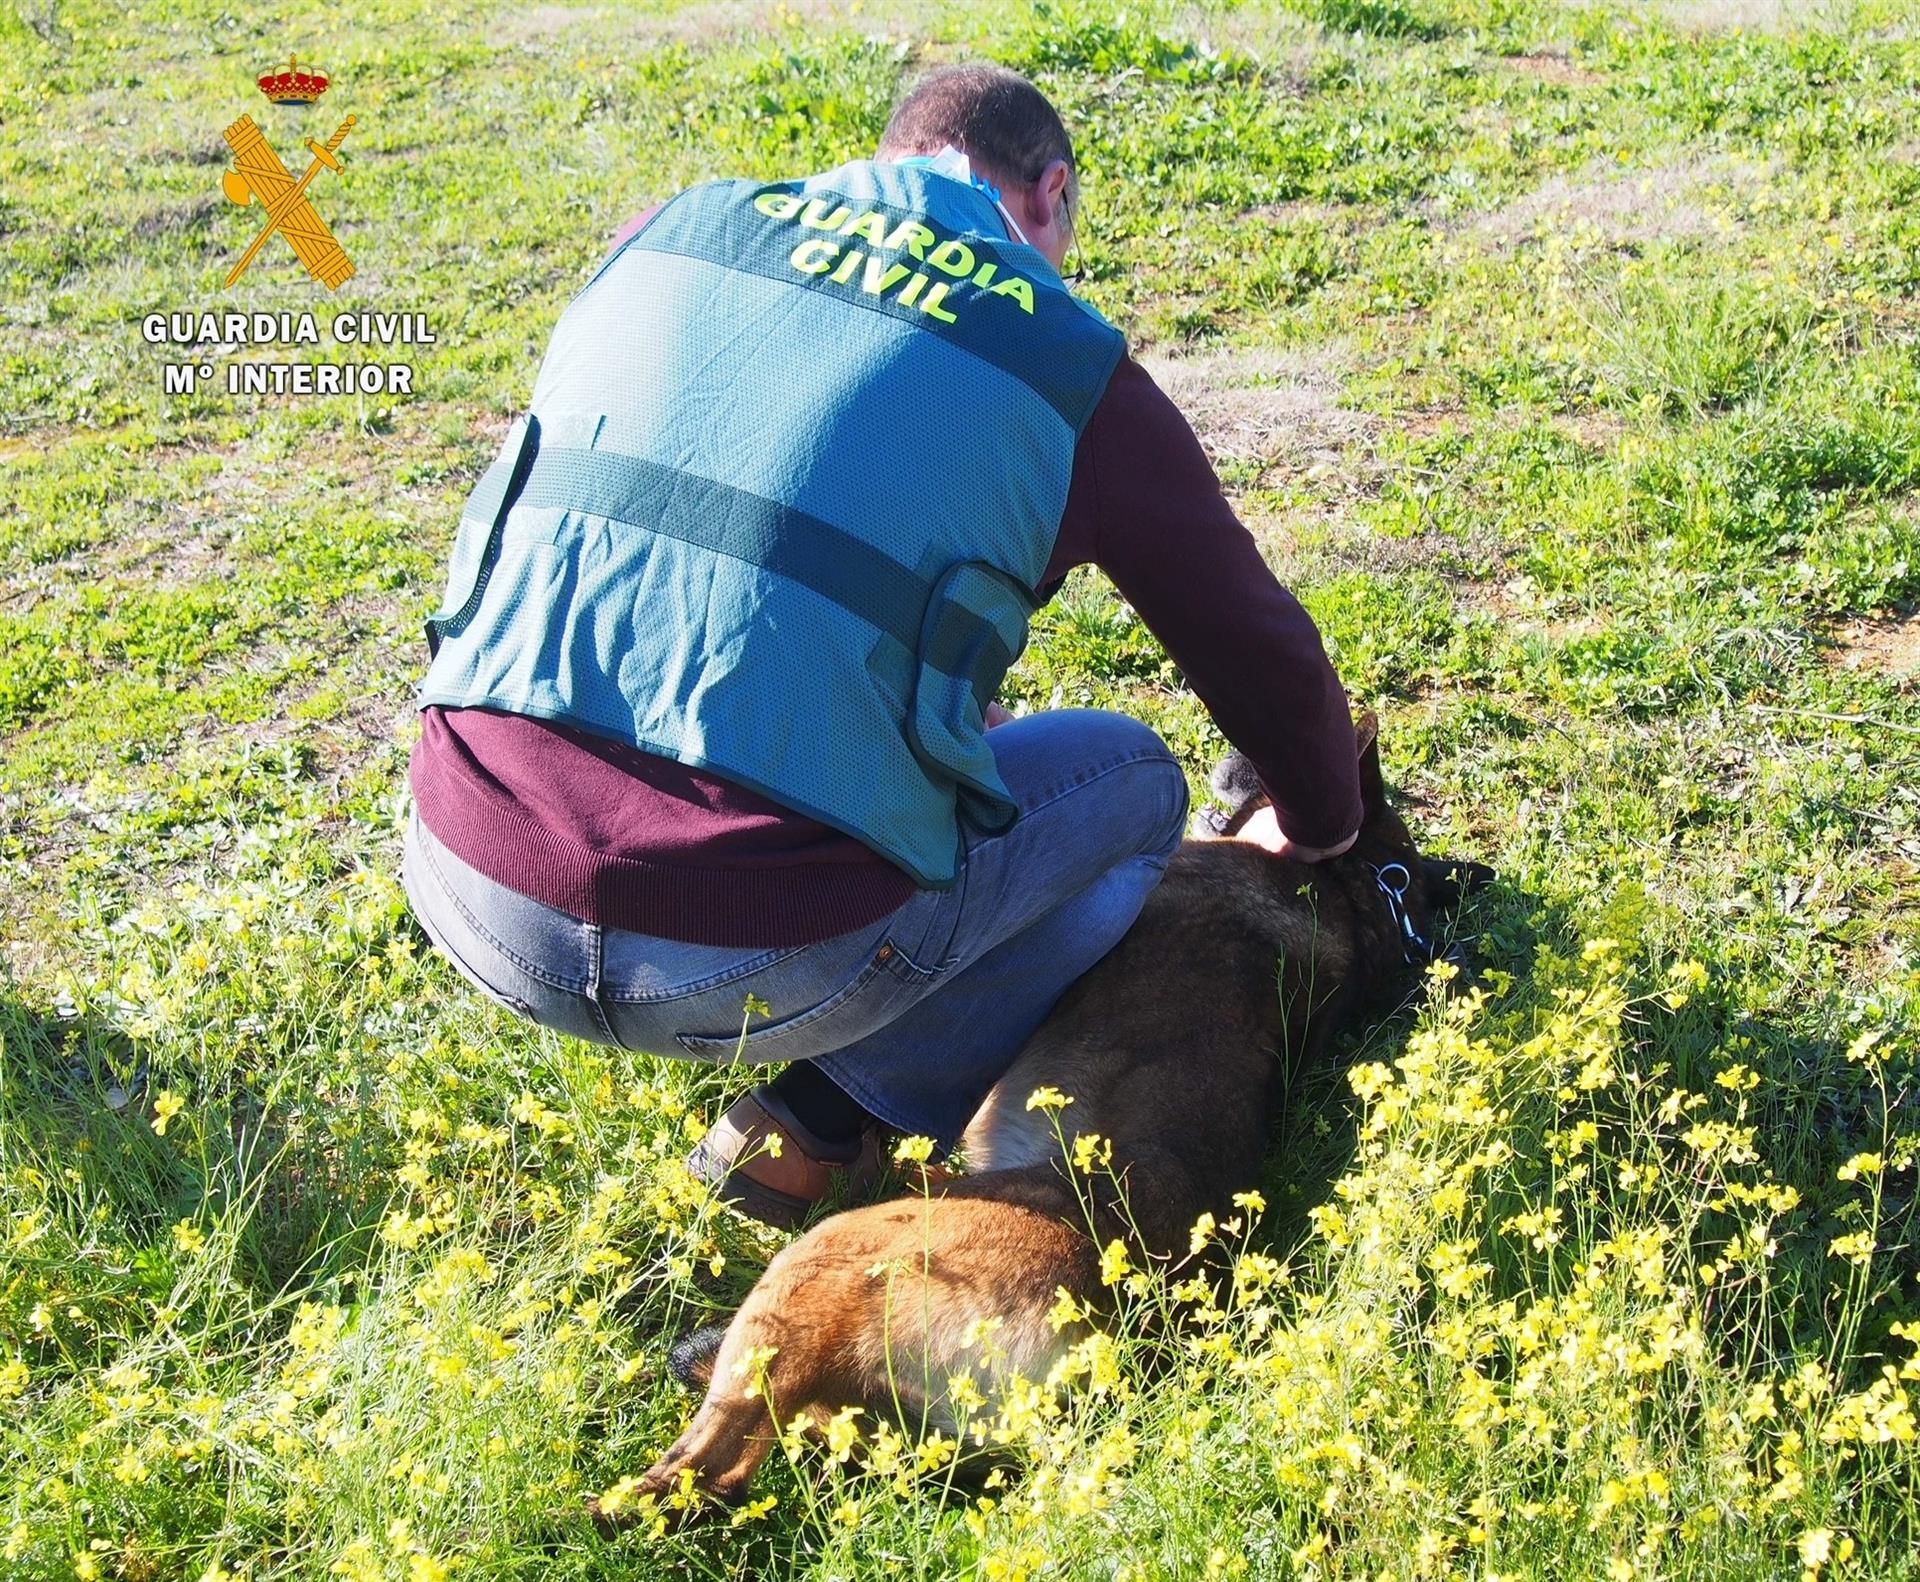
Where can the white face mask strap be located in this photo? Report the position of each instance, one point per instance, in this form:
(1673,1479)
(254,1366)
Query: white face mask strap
(1012,224)
(950,161)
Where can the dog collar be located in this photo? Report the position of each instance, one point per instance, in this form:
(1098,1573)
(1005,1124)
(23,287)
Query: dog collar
(1394,881)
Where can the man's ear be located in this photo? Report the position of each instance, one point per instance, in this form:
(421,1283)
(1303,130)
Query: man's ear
(1366,734)
(1040,207)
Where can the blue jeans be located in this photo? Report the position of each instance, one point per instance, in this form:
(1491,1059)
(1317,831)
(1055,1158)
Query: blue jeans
(915,1016)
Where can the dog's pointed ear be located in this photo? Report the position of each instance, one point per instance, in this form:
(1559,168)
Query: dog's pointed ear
(1366,735)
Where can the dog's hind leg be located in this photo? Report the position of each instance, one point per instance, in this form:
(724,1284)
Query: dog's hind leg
(1157,1193)
(875,1308)
(778,1357)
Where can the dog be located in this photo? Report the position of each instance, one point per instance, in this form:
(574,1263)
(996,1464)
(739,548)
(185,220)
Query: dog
(1167,1048)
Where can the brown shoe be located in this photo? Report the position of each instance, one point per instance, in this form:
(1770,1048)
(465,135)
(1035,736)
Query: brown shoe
(738,1161)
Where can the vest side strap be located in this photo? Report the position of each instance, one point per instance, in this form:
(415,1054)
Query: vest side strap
(967,646)
(493,497)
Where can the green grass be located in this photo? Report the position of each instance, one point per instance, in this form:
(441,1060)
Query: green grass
(1563,359)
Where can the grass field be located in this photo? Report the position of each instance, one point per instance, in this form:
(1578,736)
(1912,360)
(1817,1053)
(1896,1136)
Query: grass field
(1563,358)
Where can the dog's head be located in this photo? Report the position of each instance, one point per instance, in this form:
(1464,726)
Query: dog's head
(1412,893)
(1400,898)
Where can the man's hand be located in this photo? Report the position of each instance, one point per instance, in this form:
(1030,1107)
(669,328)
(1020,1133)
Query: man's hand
(996,715)
(1263,829)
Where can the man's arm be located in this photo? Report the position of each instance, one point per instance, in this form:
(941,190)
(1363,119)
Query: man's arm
(1146,507)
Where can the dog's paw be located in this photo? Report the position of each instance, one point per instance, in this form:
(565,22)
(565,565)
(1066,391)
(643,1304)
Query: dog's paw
(619,1507)
(1237,783)
(661,1493)
(691,1358)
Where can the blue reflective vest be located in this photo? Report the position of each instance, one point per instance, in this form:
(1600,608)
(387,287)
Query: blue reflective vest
(792,472)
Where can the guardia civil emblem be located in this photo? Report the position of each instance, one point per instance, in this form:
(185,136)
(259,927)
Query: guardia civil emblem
(258,175)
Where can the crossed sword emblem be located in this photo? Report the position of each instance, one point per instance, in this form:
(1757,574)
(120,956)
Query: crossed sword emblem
(261,175)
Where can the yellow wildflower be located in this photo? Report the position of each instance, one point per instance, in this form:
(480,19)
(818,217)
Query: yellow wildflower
(915,1150)
(617,1496)
(980,1332)
(752,1366)
(843,1433)
(1048,1098)
(1856,1247)
(753,1511)
(1065,1310)
(166,1105)
(1092,1152)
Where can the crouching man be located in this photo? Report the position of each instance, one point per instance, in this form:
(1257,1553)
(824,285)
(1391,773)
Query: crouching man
(709,736)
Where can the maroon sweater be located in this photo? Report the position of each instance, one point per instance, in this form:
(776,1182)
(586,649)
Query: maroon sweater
(630,839)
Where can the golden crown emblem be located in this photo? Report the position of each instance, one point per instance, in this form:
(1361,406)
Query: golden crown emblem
(293,83)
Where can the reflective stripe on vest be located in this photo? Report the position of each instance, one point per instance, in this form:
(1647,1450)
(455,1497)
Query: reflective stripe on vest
(794,467)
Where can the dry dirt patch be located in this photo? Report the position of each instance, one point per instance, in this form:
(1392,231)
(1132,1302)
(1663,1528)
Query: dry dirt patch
(1333,546)
(543,26)
(1283,42)
(1597,428)
(1888,648)
(1265,407)
(1553,66)
(537,24)
(1675,201)
(1297,212)
(1752,16)
(1515,604)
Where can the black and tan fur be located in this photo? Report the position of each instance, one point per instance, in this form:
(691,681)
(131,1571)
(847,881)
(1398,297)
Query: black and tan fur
(1168,1048)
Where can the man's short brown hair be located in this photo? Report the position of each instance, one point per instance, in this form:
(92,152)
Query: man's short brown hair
(992,115)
